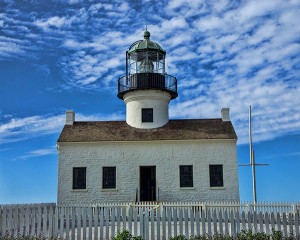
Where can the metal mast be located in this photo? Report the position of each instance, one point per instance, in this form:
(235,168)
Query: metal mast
(252,159)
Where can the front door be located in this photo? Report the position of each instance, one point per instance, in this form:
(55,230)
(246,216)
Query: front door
(147,183)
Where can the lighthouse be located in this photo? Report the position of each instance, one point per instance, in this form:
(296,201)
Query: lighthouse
(147,157)
(146,88)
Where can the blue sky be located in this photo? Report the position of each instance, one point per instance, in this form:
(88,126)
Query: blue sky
(68,54)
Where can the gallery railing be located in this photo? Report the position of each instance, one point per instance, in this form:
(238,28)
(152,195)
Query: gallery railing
(142,81)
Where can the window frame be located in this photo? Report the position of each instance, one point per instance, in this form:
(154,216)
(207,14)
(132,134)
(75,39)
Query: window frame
(192,173)
(147,120)
(216,185)
(75,179)
(115,178)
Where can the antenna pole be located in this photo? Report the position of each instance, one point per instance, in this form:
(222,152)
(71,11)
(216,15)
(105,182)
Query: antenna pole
(254,178)
(146,17)
(250,134)
(252,160)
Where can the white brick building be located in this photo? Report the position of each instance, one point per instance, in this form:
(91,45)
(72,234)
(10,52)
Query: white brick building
(148,157)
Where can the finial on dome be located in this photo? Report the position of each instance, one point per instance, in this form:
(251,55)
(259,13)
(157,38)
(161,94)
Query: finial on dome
(146,34)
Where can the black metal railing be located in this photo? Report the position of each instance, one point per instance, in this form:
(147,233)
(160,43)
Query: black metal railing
(144,81)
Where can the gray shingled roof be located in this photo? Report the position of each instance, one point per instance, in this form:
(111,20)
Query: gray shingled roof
(186,129)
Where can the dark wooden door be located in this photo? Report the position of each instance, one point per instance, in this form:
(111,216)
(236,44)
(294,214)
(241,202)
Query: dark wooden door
(148,183)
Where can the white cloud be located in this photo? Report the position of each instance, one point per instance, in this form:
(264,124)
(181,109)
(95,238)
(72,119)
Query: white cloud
(223,53)
(55,22)
(17,129)
(39,153)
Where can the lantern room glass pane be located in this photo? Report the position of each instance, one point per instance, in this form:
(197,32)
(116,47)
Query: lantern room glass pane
(146,62)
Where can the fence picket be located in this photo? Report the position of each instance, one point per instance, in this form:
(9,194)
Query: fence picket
(67,223)
(208,222)
(61,219)
(261,222)
(50,229)
(141,223)
(186,224)
(291,224)
(278,222)
(238,222)
(197,222)
(152,224)
(169,223)
(180,222)
(9,222)
(158,223)
(118,219)
(4,219)
(175,221)
(243,221)
(90,223)
(146,229)
(203,222)
(78,217)
(226,223)
(163,223)
(220,220)
(272,221)
(84,223)
(27,220)
(96,224)
(21,231)
(254,222)
(106,223)
(284,223)
(15,217)
(232,224)
(124,217)
(249,220)
(192,222)
(55,233)
(45,215)
(135,221)
(297,225)
(101,223)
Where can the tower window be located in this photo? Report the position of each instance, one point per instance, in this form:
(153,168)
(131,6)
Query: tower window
(79,178)
(109,177)
(216,175)
(186,176)
(147,114)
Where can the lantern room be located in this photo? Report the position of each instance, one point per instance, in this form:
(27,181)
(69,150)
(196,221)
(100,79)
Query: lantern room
(145,69)
(146,57)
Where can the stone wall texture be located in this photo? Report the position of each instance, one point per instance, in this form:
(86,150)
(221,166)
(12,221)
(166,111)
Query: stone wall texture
(167,156)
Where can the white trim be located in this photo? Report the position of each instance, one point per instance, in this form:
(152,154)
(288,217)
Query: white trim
(187,188)
(217,188)
(108,190)
(154,141)
(79,190)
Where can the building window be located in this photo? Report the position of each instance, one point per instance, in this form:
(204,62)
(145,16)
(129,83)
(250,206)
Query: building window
(216,175)
(79,178)
(147,114)
(109,177)
(186,176)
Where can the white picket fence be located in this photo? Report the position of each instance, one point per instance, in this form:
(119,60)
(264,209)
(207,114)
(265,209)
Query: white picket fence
(269,207)
(152,221)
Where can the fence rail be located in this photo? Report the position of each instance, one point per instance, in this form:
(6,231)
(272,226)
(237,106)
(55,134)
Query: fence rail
(150,220)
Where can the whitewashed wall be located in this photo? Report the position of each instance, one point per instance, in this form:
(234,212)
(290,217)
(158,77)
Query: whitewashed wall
(156,99)
(165,155)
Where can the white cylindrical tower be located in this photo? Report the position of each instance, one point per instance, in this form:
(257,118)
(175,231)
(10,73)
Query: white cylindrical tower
(146,88)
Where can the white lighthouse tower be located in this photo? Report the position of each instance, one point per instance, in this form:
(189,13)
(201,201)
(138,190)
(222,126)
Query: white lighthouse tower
(146,88)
